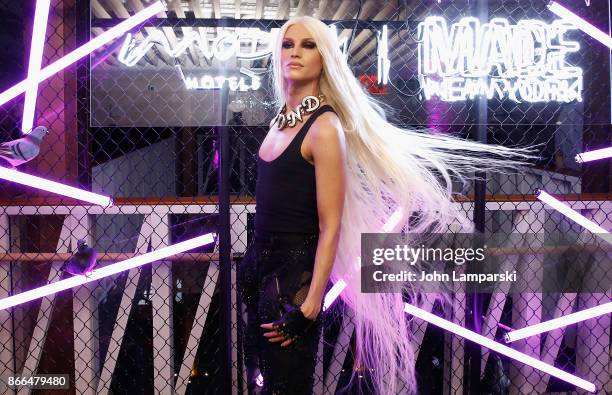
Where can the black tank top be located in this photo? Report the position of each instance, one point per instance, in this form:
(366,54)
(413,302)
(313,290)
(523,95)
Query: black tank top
(285,192)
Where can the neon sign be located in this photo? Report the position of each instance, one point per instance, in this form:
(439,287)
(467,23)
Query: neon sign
(236,83)
(522,62)
(382,55)
(227,45)
(370,82)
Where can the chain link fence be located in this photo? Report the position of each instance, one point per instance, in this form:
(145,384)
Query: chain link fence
(176,148)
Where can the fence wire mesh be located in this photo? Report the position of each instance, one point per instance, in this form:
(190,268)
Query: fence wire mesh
(147,127)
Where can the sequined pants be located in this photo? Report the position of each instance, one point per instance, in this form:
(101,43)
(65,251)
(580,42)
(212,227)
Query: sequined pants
(277,267)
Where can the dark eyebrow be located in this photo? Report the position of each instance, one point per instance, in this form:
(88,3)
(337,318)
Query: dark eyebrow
(303,40)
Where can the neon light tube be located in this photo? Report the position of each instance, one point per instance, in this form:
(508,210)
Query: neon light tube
(573,215)
(393,220)
(334,292)
(382,70)
(594,155)
(39,30)
(106,271)
(54,187)
(498,347)
(558,322)
(580,23)
(339,286)
(83,50)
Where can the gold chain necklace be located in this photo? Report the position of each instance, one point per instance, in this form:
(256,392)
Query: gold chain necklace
(309,105)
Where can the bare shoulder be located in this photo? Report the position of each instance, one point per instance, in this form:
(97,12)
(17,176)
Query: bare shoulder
(324,137)
(327,144)
(327,127)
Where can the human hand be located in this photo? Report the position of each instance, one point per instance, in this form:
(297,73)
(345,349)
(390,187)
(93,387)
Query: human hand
(290,326)
(274,336)
(310,308)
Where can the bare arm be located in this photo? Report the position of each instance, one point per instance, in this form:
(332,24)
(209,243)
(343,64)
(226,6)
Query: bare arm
(329,156)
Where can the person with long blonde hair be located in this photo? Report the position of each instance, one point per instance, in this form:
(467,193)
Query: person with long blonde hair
(331,168)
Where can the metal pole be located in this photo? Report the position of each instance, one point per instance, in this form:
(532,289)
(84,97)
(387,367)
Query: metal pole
(83,95)
(475,299)
(610,55)
(225,245)
(224,240)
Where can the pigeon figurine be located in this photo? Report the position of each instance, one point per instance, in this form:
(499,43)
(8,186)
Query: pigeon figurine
(20,151)
(82,262)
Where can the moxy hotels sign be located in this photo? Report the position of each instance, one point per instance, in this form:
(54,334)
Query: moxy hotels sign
(526,62)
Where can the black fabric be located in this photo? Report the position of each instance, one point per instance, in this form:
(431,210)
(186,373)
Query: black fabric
(277,268)
(286,194)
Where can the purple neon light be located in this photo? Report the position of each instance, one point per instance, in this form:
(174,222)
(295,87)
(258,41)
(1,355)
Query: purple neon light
(558,322)
(106,271)
(597,154)
(486,342)
(338,287)
(498,347)
(54,187)
(573,215)
(333,293)
(393,220)
(580,23)
(39,30)
(83,50)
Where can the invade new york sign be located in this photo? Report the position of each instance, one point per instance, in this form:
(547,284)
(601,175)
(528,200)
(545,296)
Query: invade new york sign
(526,62)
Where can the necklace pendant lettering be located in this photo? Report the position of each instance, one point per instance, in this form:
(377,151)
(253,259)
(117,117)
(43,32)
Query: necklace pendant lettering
(311,103)
(280,121)
(291,118)
(298,113)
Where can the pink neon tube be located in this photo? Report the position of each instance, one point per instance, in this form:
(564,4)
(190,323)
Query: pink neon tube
(573,215)
(339,286)
(333,293)
(84,50)
(54,187)
(483,341)
(106,271)
(580,23)
(594,155)
(498,347)
(558,322)
(39,30)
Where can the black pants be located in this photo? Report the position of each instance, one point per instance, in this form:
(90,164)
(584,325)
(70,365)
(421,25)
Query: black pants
(279,267)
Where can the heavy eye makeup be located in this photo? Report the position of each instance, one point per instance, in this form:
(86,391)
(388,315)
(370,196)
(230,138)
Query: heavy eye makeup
(305,44)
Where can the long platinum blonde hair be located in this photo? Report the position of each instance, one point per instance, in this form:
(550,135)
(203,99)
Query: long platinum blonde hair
(388,169)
